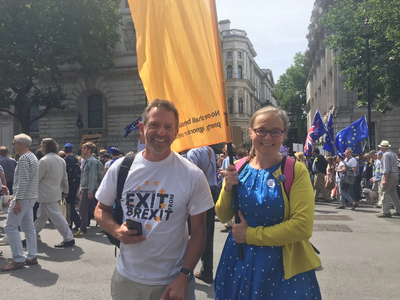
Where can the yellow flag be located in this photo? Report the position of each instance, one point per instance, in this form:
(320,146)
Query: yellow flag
(180,60)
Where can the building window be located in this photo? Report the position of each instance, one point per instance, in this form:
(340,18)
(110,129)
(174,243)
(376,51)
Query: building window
(229,72)
(230,105)
(33,113)
(95,111)
(239,55)
(240,105)
(240,72)
(229,55)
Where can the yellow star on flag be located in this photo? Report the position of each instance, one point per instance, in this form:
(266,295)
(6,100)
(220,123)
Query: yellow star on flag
(155,183)
(138,188)
(146,182)
(148,226)
(163,205)
(162,191)
(158,219)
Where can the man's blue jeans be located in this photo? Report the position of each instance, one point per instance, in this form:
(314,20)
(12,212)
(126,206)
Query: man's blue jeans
(25,220)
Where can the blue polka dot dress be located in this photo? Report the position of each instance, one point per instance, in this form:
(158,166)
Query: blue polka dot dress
(260,274)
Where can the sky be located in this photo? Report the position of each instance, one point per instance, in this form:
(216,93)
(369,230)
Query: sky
(276,28)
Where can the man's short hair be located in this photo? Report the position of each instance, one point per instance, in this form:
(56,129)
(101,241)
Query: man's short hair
(373,152)
(89,145)
(162,104)
(316,150)
(24,139)
(3,150)
(350,150)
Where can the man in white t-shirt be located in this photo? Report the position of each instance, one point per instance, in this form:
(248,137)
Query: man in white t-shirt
(161,190)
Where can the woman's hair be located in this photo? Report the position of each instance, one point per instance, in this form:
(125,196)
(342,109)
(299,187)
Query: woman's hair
(38,154)
(330,160)
(266,111)
(50,145)
(300,156)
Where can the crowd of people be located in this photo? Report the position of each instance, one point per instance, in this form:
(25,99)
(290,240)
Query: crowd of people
(376,178)
(175,198)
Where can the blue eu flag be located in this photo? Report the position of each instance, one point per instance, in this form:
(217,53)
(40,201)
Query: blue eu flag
(79,122)
(351,136)
(329,137)
(133,126)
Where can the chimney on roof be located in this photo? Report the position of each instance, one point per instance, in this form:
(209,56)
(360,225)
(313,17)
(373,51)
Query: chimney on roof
(224,25)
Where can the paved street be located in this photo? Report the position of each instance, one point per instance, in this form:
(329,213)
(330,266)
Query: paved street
(360,255)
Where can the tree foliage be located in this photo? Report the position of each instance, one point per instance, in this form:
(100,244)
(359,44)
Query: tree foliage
(290,91)
(343,22)
(37,37)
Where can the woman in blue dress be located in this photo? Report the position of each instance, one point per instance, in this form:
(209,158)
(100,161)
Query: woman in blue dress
(279,261)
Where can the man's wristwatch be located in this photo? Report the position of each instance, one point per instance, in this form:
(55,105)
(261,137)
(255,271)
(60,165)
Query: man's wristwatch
(188,273)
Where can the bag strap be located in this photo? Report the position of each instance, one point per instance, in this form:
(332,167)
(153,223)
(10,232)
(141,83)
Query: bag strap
(241,164)
(287,169)
(123,173)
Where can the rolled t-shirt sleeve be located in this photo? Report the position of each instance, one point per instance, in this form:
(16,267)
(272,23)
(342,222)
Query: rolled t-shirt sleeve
(201,199)
(107,191)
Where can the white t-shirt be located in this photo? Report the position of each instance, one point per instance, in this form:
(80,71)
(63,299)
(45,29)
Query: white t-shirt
(161,195)
(107,165)
(339,175)
(352,162)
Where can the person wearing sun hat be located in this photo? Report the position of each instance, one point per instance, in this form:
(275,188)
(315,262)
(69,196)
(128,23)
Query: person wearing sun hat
(389,181)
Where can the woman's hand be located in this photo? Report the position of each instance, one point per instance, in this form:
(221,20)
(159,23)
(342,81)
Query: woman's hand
(231,178)
(239,230)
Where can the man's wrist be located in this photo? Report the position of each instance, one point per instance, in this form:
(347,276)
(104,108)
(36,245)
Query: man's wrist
(187,273)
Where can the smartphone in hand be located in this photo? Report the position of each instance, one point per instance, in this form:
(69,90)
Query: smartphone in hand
(135,225)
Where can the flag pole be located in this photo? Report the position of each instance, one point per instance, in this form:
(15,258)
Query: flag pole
(235,198)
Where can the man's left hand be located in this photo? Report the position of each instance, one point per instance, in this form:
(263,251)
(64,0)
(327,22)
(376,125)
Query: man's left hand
(177,289)
(17,208)
(384,183)
(239,230)
(89,196)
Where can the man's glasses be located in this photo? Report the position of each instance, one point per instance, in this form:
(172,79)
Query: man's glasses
(275,133)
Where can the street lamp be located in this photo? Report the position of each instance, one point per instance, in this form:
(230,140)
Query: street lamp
(367,30)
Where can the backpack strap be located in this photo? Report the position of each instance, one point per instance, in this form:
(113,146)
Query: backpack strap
(241,164)
(287,169)
(123,173)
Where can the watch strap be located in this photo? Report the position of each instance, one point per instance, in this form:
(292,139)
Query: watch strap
(187,272)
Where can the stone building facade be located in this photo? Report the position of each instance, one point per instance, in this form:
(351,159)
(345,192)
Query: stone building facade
(248,87)
(326,91)
(111,100)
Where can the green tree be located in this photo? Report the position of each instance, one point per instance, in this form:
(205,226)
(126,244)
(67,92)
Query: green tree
(343,22)
(290,91)
(39,36)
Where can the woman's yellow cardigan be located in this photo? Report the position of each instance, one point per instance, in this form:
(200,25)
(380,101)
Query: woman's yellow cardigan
(293,233)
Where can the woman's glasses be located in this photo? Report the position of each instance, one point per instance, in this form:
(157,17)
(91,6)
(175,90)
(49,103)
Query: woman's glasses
(275,133)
